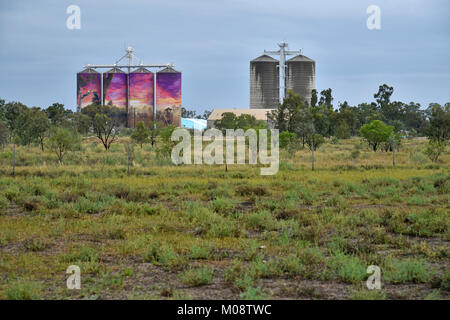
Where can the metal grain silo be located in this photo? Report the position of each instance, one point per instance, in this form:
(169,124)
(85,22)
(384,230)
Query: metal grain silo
(264,83)
(88,88)
(115,88)
(140,95)
(168,97)
(301,76)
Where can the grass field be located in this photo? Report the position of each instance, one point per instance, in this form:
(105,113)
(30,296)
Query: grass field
(198,232)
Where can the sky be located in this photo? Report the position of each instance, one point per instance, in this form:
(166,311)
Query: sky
(212,41)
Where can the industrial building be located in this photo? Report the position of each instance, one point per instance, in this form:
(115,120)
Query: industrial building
(271,79)
(138,92)
(264,83)
(259,114)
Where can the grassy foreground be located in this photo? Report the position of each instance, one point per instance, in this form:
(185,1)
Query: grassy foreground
(202,233)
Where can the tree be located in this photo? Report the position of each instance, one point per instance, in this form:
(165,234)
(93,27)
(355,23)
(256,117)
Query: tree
(4,134)
(383,99)
(314,141)
(313,98)
(154,128)
(165,147)
(80,122)
(228,121)
(104,121)
(376,133)
(61,141)
(434,149)
(105,128)
(342,130)
(438,128)
(244,121)
(287,139)
(32,127)
(141,134)
(11,112)
(205,115)
(326,98)
(56,113)
(187,113)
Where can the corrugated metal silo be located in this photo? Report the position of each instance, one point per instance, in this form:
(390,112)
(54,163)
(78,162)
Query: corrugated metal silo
(264,83)
(140,95)
(115,88)
(88,88)
(301,76)
(168,97)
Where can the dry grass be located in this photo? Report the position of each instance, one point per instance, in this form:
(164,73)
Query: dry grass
(200,232)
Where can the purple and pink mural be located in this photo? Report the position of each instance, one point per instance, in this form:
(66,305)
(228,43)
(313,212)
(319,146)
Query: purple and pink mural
(88,88)
(115,89)
(141,83)
(168,97)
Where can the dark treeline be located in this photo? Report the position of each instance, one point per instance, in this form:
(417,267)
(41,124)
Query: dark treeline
(344,120)
(23,125)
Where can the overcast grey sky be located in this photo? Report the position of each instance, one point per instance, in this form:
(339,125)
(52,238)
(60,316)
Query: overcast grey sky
(212,41)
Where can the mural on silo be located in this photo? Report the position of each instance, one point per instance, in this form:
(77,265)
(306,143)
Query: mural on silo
(88,88)
(168,97)
(140,94)
(115,89)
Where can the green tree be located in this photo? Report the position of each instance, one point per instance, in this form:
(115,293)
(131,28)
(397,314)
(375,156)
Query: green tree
(313,98)
(105,128)
(314,141)
(164,148)
(141,134)
(4,133)
(435,149)
(56,113)
(11,112)
(342,130)
(80,122)
(376,133)
(104,121)
(438,128)
(33,126)
(61,141)
(326,98)
(287,138)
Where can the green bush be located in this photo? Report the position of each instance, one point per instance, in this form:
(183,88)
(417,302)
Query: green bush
(197,276)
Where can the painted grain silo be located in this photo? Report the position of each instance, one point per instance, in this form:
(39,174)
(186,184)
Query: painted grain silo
(301,76)
(140,95)
(115,88)
(88,88)
(264,83)
(168,97)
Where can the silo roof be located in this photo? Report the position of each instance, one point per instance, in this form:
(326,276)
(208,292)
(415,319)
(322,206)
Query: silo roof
(168,70)
(115,70)
(141,70)
(300,58)
(264,58)
(88,70)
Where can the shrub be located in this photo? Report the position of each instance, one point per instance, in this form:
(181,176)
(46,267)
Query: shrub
(416,271)
(197,276)
(223,206)
(434,150)
(23,290)
(252,294)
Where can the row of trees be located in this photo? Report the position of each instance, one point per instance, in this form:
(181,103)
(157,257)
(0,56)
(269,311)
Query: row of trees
(345,120)
(381,123)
